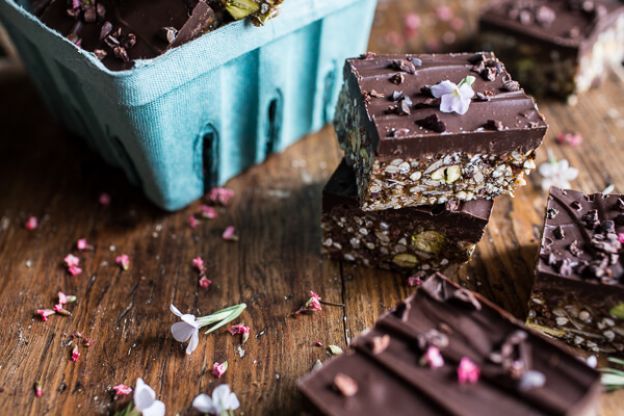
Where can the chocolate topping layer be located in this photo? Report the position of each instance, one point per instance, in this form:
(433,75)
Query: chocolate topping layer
(581,238)
(119,32)
(342,190)
(520,373)
(404,118)
(566,23)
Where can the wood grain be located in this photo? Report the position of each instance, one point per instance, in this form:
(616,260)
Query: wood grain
(47,173)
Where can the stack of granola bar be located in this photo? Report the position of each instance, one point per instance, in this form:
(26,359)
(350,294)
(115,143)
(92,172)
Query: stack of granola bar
(429,142)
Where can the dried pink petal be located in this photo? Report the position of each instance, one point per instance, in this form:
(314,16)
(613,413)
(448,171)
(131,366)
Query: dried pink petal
(44,313)
(208,212)
(104,199)
(412,22)
(570,138)
(204,282)
(58,308)
(313,304)
(444,13)
(221,195)
(75,355)
(199,265)
(74,270)
(467,371)
(414,281)
(31,223)
(64,299)
(192,221)
(123,261)
(83,245)
(432,357)
(238,329)
(230,234)
(71,260)
(621,238)
(218,369)
(122,390)
(38,390)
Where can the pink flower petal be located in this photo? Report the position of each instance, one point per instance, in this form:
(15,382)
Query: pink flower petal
(32,223)
(238,329)
(230,234)
(75,355)
(621,238)
(208,212)
(204,282)
(104,199)
(38,390)
(122,390)
(444,13)
(71,260)
(570,138)
(218,369)
(123,261)
(83,245)
(433,358)
(74,270)
(221,195)
(412,21)
(414,281)
(467,371)
(62,298)
(192,221)
(44,313)
(199,265)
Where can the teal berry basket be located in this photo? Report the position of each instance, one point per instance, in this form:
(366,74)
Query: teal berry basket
(201,113)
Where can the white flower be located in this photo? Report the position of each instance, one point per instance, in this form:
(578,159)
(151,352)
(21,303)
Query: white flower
(187,330)
(221,403)
(145,400)
(454,97)
(557,173)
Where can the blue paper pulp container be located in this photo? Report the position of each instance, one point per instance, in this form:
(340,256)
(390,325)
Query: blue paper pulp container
(203,112)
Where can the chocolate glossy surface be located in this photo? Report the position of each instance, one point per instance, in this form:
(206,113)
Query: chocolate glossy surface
(501,117)
(386,367)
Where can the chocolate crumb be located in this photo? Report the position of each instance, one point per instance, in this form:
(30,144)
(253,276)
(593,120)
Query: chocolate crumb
(495,125)
(511,86)
(551,213)
(432,123)
(397,79)
(168,34)
(403,65)
(345,385)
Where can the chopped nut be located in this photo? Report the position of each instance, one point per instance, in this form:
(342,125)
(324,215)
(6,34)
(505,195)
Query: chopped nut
(428,241)
(405,260)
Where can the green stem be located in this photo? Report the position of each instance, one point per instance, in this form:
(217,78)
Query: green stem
(221,318)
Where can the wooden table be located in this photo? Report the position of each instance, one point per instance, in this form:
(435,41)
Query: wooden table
(47,173)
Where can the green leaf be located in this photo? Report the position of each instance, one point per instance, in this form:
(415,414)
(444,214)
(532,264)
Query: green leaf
(221,318)
(617,311)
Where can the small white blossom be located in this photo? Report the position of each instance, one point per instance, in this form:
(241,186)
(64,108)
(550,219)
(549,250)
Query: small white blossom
(454,97)
(145,400)
(222,402)
(557,173)
(187,330)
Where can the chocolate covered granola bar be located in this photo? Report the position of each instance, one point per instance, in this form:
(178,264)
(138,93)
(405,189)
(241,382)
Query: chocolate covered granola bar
(427,129)
(556,47)
(578,294)
(414,238)
(448,351)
